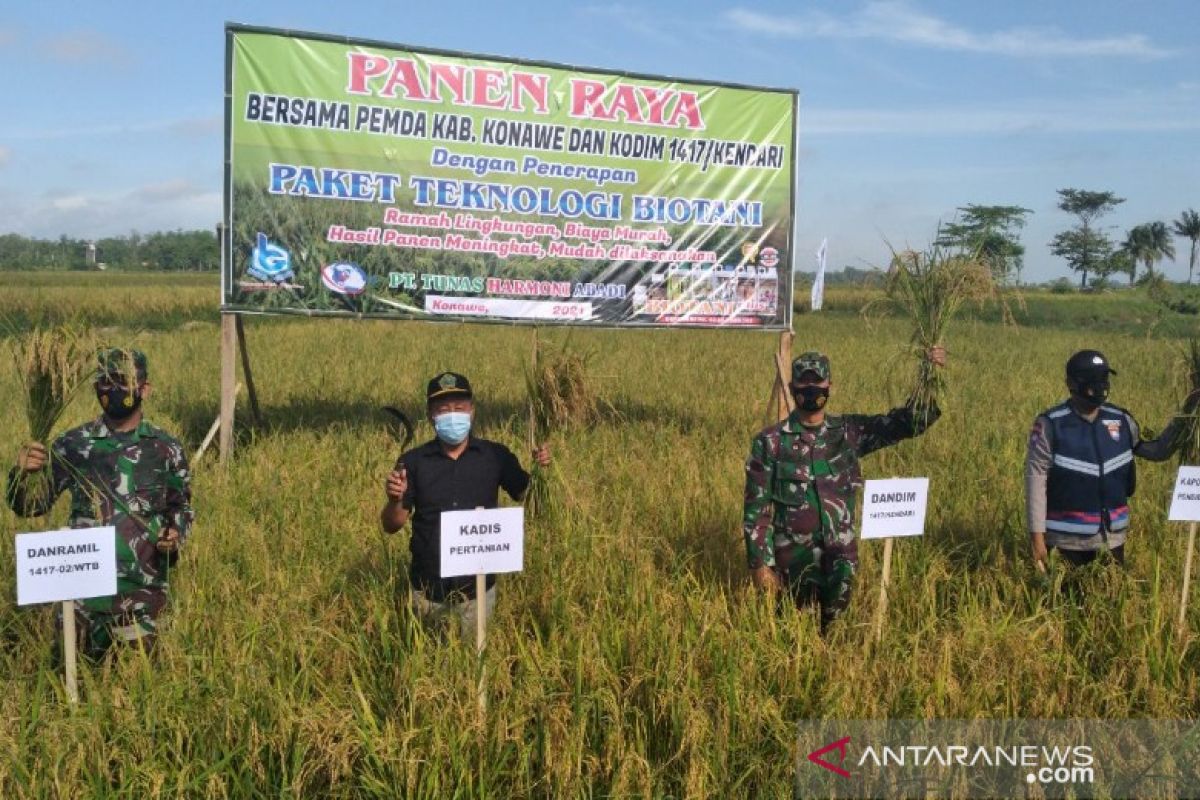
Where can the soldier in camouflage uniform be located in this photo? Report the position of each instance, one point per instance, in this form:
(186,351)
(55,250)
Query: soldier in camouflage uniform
(802,481)
(120,471)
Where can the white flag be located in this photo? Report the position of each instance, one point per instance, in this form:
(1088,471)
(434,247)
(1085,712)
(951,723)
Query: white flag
(818,287)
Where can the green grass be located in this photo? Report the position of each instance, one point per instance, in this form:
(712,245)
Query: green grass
(630,658)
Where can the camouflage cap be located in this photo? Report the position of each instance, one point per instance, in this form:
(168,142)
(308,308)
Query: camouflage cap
(447,384)
(114,362)
(812,361)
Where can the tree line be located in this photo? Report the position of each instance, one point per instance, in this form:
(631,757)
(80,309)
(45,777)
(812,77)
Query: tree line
(993,232)
(164,250)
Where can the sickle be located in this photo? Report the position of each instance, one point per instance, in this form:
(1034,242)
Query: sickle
(403,427)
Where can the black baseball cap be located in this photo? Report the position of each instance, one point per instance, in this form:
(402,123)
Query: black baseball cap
(1089,364)
(447,384)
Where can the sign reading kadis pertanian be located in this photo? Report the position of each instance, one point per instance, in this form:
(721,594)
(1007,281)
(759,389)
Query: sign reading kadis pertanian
(482,541)
(380,180)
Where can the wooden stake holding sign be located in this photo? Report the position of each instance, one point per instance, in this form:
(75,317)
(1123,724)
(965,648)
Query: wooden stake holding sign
(65,566)
(891,508)
(1185,507)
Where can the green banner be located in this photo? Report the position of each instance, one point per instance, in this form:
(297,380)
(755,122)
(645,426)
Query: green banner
(372,179)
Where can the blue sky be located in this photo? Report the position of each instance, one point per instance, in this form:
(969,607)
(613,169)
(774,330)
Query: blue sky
(908,108)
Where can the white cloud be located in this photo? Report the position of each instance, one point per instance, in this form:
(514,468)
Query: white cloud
(897,21)
(167,190)
(635,20)
(167,205)
(197,127)
(81,47)
(71,202)
(1080,118)
(179,126)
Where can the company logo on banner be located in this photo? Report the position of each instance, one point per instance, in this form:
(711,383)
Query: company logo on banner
(344,278)
(395,182)
(269,261)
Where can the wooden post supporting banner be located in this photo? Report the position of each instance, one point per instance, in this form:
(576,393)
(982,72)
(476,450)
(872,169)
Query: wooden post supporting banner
(781,404)
(1187,579)
(68,612)
(228,384)
(249,377)
(212,434)
(883,588)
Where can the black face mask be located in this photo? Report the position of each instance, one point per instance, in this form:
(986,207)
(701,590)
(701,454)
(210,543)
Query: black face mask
(1093,391)
(117,401)
(810,398)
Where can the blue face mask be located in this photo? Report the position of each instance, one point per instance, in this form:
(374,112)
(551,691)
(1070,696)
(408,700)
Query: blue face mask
(453,426)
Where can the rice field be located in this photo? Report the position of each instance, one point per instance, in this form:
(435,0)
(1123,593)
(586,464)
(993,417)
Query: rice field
(631,658)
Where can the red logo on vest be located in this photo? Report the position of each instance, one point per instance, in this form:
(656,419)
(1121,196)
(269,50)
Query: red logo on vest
(1114,428)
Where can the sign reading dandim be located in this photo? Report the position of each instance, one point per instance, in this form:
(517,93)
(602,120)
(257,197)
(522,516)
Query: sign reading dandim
(894,507)
(371,179)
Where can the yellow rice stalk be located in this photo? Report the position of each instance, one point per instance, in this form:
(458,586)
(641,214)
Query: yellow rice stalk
(930,288)
(1189,433)
(52,365)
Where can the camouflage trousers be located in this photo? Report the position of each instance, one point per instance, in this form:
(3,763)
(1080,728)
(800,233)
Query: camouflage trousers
(818,574)
(132,619)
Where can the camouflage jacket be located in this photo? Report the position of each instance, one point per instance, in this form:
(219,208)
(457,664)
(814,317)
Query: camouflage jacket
(802,483)
(137,482)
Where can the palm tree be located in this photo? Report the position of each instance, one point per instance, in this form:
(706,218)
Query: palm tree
(1188,226)
(1148,243)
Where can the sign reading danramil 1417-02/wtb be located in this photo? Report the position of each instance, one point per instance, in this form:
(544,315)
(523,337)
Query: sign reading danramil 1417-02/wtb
(373,179)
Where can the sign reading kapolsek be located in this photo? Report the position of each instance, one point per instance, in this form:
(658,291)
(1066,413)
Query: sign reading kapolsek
(1185,500)
(894,507)
(383,180)
(482,541)
(66,565)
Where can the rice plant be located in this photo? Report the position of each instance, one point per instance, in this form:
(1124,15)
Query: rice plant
(561,396)
(52,364)
(1188,436)
(930,289)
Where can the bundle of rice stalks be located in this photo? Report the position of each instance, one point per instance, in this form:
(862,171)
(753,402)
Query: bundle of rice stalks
(930,288)
(561,395)
(560,389)
(1188,437)
(53,364)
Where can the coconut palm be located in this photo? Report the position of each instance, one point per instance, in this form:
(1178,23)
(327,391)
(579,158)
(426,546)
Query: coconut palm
(1148,243)
(1188,227)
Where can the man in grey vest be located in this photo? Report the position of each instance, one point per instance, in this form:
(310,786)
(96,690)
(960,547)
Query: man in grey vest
(1079,471)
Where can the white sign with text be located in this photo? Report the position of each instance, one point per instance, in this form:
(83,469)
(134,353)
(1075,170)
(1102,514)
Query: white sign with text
(894,507)
(1185,500)
(74,564)
(486,540)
